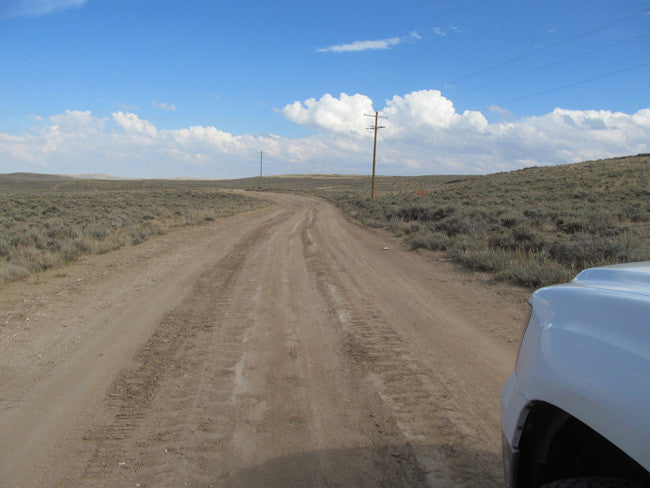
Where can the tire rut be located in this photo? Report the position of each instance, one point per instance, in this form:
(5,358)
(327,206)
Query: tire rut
(204,311)
(422,406)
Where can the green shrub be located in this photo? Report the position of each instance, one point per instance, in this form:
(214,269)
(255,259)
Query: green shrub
(533,271)
(5,249)
(47,260)
(111,243)
(569,225)
(433,241)
(97,232)
(69,252)
(11,272)
(481,259)
(84,244)
(511,219)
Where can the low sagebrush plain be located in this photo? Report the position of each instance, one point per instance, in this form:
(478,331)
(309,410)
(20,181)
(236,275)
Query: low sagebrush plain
(533,227)
(47,221)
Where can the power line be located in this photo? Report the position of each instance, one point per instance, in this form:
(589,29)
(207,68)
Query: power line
(555,44)
(390,145)
(553,64)
(605,75)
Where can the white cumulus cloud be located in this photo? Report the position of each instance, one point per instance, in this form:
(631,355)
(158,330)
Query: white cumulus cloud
(423,133)
(426,108)
(77,122)
(424,130)
(342,115)
(132,124)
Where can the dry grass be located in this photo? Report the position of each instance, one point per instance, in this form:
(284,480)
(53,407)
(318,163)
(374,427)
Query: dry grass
(534,227)
(47,221)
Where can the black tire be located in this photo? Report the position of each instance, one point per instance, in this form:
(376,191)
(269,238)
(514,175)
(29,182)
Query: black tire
(594,483)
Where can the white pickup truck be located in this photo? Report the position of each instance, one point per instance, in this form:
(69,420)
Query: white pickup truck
(576,410)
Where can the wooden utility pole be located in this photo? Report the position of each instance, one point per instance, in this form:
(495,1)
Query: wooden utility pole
(259,187)
(374,151)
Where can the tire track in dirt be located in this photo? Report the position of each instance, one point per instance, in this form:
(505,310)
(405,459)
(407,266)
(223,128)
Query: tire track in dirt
(132,393)
(318,403)
(422,405)
(298,353)
(266,396)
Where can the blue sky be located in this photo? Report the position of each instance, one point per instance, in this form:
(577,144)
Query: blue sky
(195,88)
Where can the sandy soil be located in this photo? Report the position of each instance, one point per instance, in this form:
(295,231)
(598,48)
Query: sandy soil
(281,347)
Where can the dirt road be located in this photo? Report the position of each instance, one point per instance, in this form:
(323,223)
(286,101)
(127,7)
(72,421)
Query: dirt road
(282,347)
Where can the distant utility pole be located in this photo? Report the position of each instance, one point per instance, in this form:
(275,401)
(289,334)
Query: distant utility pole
(260,185)
(374,150)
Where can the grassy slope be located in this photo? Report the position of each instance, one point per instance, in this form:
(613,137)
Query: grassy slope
(47,221)
(535,226)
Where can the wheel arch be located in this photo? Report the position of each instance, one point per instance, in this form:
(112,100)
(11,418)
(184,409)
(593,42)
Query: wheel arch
(554,445)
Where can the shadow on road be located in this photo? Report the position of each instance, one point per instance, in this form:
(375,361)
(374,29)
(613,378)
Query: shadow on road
(389,466)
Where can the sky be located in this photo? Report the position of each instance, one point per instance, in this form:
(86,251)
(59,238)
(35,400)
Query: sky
(192,88)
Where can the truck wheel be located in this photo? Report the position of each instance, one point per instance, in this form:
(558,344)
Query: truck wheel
(593,483)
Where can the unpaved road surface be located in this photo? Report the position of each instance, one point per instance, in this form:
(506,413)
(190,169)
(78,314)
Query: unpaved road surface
(281,347)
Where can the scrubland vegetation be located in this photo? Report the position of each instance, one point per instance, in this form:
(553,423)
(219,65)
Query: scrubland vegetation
(46,221)
(534,227)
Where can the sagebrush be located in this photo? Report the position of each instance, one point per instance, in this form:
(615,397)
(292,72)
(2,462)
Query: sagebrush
(46,222)
(535,226)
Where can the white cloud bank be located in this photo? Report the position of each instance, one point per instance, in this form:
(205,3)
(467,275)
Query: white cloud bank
(33,8)
(424,131)
(424,134)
